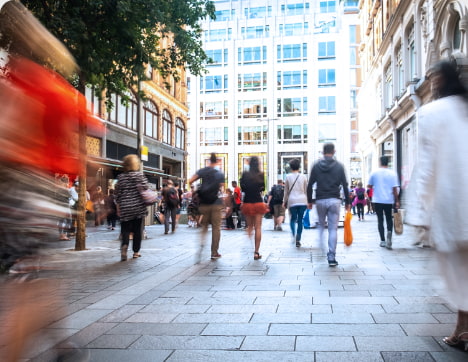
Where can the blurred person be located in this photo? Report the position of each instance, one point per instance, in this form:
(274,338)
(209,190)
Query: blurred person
(111,209)
(98,203)
(384,183)
(172,204)
(210,207)
(180,193)
(275,199)
(253,208)
(359,200)
(130,205)
(38,125)
(237,195)
(229,206)
(370,204)
(193,208)
(295,199)
(62,195)
(440,178)
(329,177)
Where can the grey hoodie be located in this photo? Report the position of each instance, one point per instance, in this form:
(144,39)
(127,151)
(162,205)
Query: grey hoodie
(329,175)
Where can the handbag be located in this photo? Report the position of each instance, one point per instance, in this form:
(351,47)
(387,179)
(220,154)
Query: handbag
(89,206)
(149,196)
(348,233)
(398,221)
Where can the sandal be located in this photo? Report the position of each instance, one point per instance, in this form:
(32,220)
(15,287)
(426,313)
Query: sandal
(257,255)
(136,255)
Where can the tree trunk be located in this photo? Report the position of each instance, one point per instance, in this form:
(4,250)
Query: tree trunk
(80,242)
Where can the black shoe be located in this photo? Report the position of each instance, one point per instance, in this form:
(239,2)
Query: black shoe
(298,244)
(332,263)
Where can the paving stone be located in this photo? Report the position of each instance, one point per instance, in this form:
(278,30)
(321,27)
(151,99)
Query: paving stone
(316,343)
(159,329)
(406,356)
(188,342)
(268,343)
(114,355)
(348,357)
(237,329)
(400,344)
(428,329)
(236,356)
(382,330)
(113,341)
(281,318)
(342,318)
(213,318)
(243,308)
(82,318)
(404,318)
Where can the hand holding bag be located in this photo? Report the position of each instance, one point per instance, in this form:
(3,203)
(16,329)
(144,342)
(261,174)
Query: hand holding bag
(148,196)
(348,234)
(398,221)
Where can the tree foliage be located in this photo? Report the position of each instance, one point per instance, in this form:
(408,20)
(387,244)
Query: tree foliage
(112,40)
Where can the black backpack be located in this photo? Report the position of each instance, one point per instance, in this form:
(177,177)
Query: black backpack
(277,193)
(172,198)
(209,189)
(360,195)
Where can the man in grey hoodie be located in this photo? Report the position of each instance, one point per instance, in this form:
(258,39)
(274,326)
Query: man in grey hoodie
(328,175)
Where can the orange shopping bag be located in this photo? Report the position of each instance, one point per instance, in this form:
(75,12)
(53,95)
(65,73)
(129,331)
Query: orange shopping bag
(348,234)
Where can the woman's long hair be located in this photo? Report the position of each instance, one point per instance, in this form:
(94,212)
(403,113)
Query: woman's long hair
(450,83)
(254,169)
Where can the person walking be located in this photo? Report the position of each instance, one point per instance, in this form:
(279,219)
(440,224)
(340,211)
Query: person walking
(111,210)
(253,208)
(237,194)
(440,178)
(229,207)
(329,176)
(210,204)
(295,199)
(130,205)
(384,183)
(275,199)
(360,200)
(171,201)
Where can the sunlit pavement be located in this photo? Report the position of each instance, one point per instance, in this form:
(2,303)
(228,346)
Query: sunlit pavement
(376,305)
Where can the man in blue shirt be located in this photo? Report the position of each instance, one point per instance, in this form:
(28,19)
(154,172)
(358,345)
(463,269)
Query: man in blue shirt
(385,185)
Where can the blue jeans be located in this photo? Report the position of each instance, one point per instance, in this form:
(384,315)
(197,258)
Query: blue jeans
(296,215)
(329,210)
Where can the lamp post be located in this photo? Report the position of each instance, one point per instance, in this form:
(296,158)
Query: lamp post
(270,167)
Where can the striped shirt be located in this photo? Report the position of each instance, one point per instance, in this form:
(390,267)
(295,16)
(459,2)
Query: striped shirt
(128,197)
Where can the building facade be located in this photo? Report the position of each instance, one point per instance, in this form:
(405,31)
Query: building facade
(283,81)
(160,126)
(401,40)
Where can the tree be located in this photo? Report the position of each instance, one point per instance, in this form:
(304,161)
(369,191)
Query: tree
(114,40)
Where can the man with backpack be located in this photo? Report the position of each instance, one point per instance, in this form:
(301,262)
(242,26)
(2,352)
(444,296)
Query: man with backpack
(172,202)
(275,199)
(212,180)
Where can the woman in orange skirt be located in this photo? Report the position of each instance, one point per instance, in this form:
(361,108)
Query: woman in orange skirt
(253,184)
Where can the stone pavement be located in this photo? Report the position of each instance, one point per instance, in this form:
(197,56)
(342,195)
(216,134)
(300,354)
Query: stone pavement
(376,305)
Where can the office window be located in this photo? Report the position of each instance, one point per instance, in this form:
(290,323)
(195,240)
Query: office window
(252,32)
(218,34)
(292,134)
(291,52)
(180,134)
(326,50)
(326,78)
(257,12)
(252,108)
(327,104)
(353,94)
(167,127)
(124,113)
(252,82)
(352,34)
(353,55)
(151,117)
(411,55)
(252,55)
(326,132)
(294,29)
(295,9)
(214,136)
(214,110)
(252,135)
(225,15)
(400,72)
(328,6)
(218,56)
(388,91)
(291,107)
(214,84)
(295,79)
(93,103)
